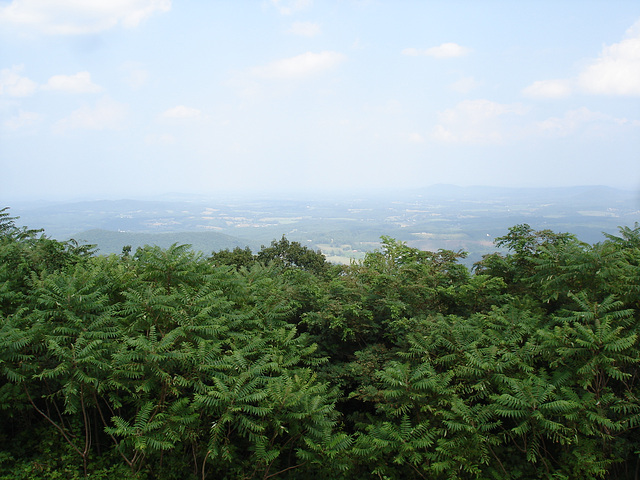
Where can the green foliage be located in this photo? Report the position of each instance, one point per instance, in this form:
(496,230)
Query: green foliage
(527,248)
(293,254)
(238,257)
(164,364)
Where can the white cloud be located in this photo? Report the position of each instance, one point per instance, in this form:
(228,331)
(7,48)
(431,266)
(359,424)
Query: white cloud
(615,72)
(305,29)
(548,89)
(287,7)
(107,114)
(617,69)
(182,112)
(580,119)
(411,52)
(476,121)
(22,120)
(390,107)
(77,17)
(162,139)
(464,85)
(14,85)
(78,83)
(414,137)
(446,50)
(299,66)
(136,76)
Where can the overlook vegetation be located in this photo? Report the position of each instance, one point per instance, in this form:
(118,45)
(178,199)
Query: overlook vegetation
(165,363)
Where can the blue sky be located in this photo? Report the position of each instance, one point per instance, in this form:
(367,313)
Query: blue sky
(121,98)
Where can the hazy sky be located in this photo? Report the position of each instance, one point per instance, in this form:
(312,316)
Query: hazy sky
(126,97)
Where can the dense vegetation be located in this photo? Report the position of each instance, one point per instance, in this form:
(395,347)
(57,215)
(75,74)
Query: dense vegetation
(163,364)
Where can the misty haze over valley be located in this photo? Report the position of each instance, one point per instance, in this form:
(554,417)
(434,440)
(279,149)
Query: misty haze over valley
(344,226)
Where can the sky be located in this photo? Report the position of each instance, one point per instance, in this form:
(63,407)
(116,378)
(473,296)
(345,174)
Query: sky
(125,98)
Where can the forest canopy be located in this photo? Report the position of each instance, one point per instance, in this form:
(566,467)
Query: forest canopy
(167,363)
